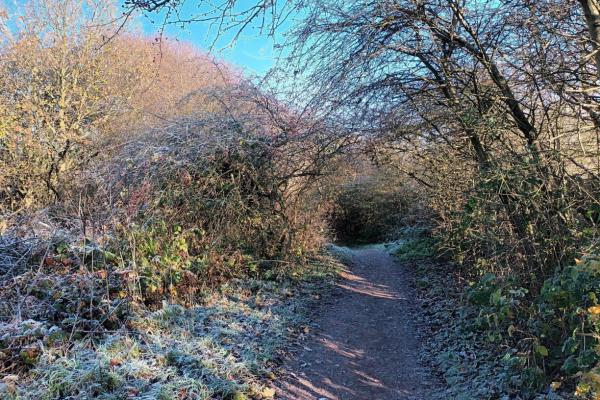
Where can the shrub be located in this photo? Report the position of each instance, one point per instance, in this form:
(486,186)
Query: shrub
(200,203)
(511,220)
(555,333)
(567,317)
(71,97)
(416,248)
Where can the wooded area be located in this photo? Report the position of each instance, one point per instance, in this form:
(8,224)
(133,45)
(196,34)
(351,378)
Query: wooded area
(139,171)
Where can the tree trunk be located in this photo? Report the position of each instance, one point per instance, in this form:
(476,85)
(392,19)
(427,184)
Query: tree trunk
(591,10)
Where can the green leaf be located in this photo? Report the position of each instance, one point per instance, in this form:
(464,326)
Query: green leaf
(511,329)
(541,350)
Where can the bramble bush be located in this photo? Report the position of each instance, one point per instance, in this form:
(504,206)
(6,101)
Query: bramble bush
(207,205)
(148,182)
(553,337)
(174,216)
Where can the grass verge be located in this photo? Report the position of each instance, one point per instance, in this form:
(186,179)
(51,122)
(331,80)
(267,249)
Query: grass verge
(225,348)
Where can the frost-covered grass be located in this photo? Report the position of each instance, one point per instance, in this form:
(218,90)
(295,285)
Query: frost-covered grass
(342,253)
(419,248)
(225,348)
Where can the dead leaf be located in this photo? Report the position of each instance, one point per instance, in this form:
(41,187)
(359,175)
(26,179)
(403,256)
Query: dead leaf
(102,274)
(115,362)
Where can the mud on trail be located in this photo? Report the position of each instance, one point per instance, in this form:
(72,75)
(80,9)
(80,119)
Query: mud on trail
(366,346)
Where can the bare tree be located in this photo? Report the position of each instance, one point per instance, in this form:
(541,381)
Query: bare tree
(509,87)
(591,11)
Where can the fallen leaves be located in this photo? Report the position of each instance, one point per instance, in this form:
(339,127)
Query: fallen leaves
(268,393)
(594,310)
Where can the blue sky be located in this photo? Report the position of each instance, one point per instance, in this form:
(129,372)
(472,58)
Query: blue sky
(253,52)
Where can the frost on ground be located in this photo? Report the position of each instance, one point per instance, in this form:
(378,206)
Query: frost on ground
(470,364)
(225,348)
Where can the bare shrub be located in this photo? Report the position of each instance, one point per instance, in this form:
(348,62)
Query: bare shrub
(71,96)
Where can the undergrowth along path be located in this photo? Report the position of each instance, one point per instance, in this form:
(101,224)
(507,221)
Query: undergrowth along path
(366,345)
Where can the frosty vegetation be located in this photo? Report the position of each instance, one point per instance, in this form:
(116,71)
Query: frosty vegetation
(163,217)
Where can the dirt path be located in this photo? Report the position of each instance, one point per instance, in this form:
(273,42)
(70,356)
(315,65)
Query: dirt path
(366,347)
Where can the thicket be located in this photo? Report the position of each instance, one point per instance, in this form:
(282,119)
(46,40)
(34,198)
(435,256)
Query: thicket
(492,107)
(375,206)
(137,173)
(215,202)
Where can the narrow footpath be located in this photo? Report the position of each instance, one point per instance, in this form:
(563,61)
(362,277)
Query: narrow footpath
(366,346)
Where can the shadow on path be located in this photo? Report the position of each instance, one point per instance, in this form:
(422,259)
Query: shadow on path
(366,347)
